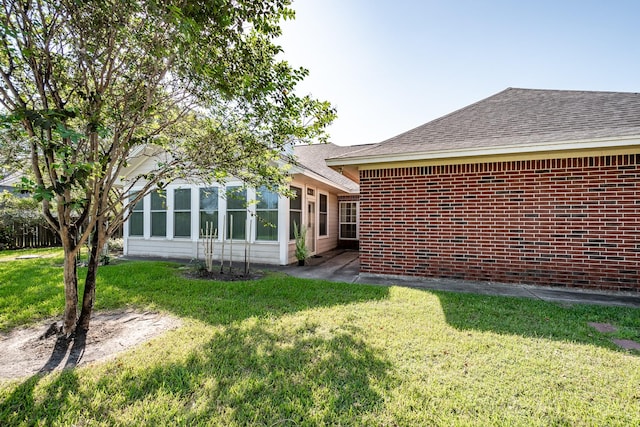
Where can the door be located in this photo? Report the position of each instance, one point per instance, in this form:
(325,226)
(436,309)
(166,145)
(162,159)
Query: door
(311,227)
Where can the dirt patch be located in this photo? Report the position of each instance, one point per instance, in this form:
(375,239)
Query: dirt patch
(25,353)
(604,328)
(25,257)
(627,344)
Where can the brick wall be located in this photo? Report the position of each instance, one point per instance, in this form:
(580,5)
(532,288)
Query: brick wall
(562,222)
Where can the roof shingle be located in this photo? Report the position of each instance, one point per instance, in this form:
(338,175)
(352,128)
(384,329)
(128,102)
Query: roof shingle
(313,157)
(520,117)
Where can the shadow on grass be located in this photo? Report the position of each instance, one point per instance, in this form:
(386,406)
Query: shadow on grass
(21,407)
(246,375)
(243,376)
(254,377)
(538,319)
(161,285)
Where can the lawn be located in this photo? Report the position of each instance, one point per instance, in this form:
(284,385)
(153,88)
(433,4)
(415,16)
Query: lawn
(284,351)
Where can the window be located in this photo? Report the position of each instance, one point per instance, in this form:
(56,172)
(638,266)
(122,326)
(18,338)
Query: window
(322,215)
(136,220)
(236,207)
(158,213)
(348,220)
(182,212)
(267,215)
(295,210)
(208,208)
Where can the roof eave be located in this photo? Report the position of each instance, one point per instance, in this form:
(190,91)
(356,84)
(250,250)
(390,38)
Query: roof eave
(489,151)
(309,173)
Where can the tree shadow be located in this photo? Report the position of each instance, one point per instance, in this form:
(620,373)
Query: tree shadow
(242,376)
(21,407)
(254,370)
(222,303)
(537,319)
(255,376)
(61,351)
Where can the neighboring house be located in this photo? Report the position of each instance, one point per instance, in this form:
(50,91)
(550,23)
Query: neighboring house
(526,186)
(170,224)
(9,183)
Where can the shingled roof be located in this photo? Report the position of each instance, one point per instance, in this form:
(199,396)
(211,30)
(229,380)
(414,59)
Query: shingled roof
(313,158)
(518,117)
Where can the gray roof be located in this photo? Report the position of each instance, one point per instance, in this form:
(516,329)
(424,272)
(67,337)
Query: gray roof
(313,157)
(520,117)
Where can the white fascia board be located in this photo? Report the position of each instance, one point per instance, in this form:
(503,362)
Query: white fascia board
(489,151)
(138,156)
(306,172)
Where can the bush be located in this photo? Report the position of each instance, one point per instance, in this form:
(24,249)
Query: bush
(18,215)
(115,245)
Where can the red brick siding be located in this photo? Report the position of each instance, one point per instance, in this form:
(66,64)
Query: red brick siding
(562,222)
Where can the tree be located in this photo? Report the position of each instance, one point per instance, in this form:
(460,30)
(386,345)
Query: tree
(89,85)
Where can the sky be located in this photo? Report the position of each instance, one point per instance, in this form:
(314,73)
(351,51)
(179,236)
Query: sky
(389,66)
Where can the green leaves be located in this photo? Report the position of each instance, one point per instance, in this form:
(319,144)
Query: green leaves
(45,119)
(93,87)
(71,134)
(38,191)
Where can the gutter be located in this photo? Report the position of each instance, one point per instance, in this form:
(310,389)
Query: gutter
(573,145)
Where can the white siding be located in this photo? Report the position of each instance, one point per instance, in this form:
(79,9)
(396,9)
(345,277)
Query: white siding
(260,253)
(279,252)
(330,241)
(323,243)
(162,248)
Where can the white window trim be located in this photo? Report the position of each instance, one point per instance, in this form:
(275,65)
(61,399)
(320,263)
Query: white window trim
(125,227)
(174,211)
(254,217)
(326,236)
(340,220)
(303,200)
(198,209)
(249,195)
(168,226)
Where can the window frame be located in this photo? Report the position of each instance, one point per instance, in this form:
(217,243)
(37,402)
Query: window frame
(322,214)
(229,211)
(215,213)
(273,227)
(137,209)
(162,194)
(181,211)
(341,221)
(297,211)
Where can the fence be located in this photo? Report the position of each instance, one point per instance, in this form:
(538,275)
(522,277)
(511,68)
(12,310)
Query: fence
(32,236)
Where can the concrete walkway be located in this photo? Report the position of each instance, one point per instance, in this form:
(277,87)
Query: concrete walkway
(344,266)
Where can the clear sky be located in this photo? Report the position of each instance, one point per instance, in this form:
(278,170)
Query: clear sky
(389,66)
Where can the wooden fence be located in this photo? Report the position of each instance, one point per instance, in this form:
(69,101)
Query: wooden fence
(34,236)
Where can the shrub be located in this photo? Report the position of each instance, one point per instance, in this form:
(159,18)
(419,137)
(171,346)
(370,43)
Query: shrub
(18,215)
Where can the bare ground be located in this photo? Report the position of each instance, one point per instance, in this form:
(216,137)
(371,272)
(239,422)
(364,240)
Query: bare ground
(24,353)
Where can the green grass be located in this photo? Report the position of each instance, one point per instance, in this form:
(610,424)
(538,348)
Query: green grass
(285,351)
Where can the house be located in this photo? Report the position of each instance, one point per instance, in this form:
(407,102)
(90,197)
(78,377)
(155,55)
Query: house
(10,183)
(169,223)
(527,186)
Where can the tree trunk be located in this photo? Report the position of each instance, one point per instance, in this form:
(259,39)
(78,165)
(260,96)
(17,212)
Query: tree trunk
(70,292)
(89,294)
